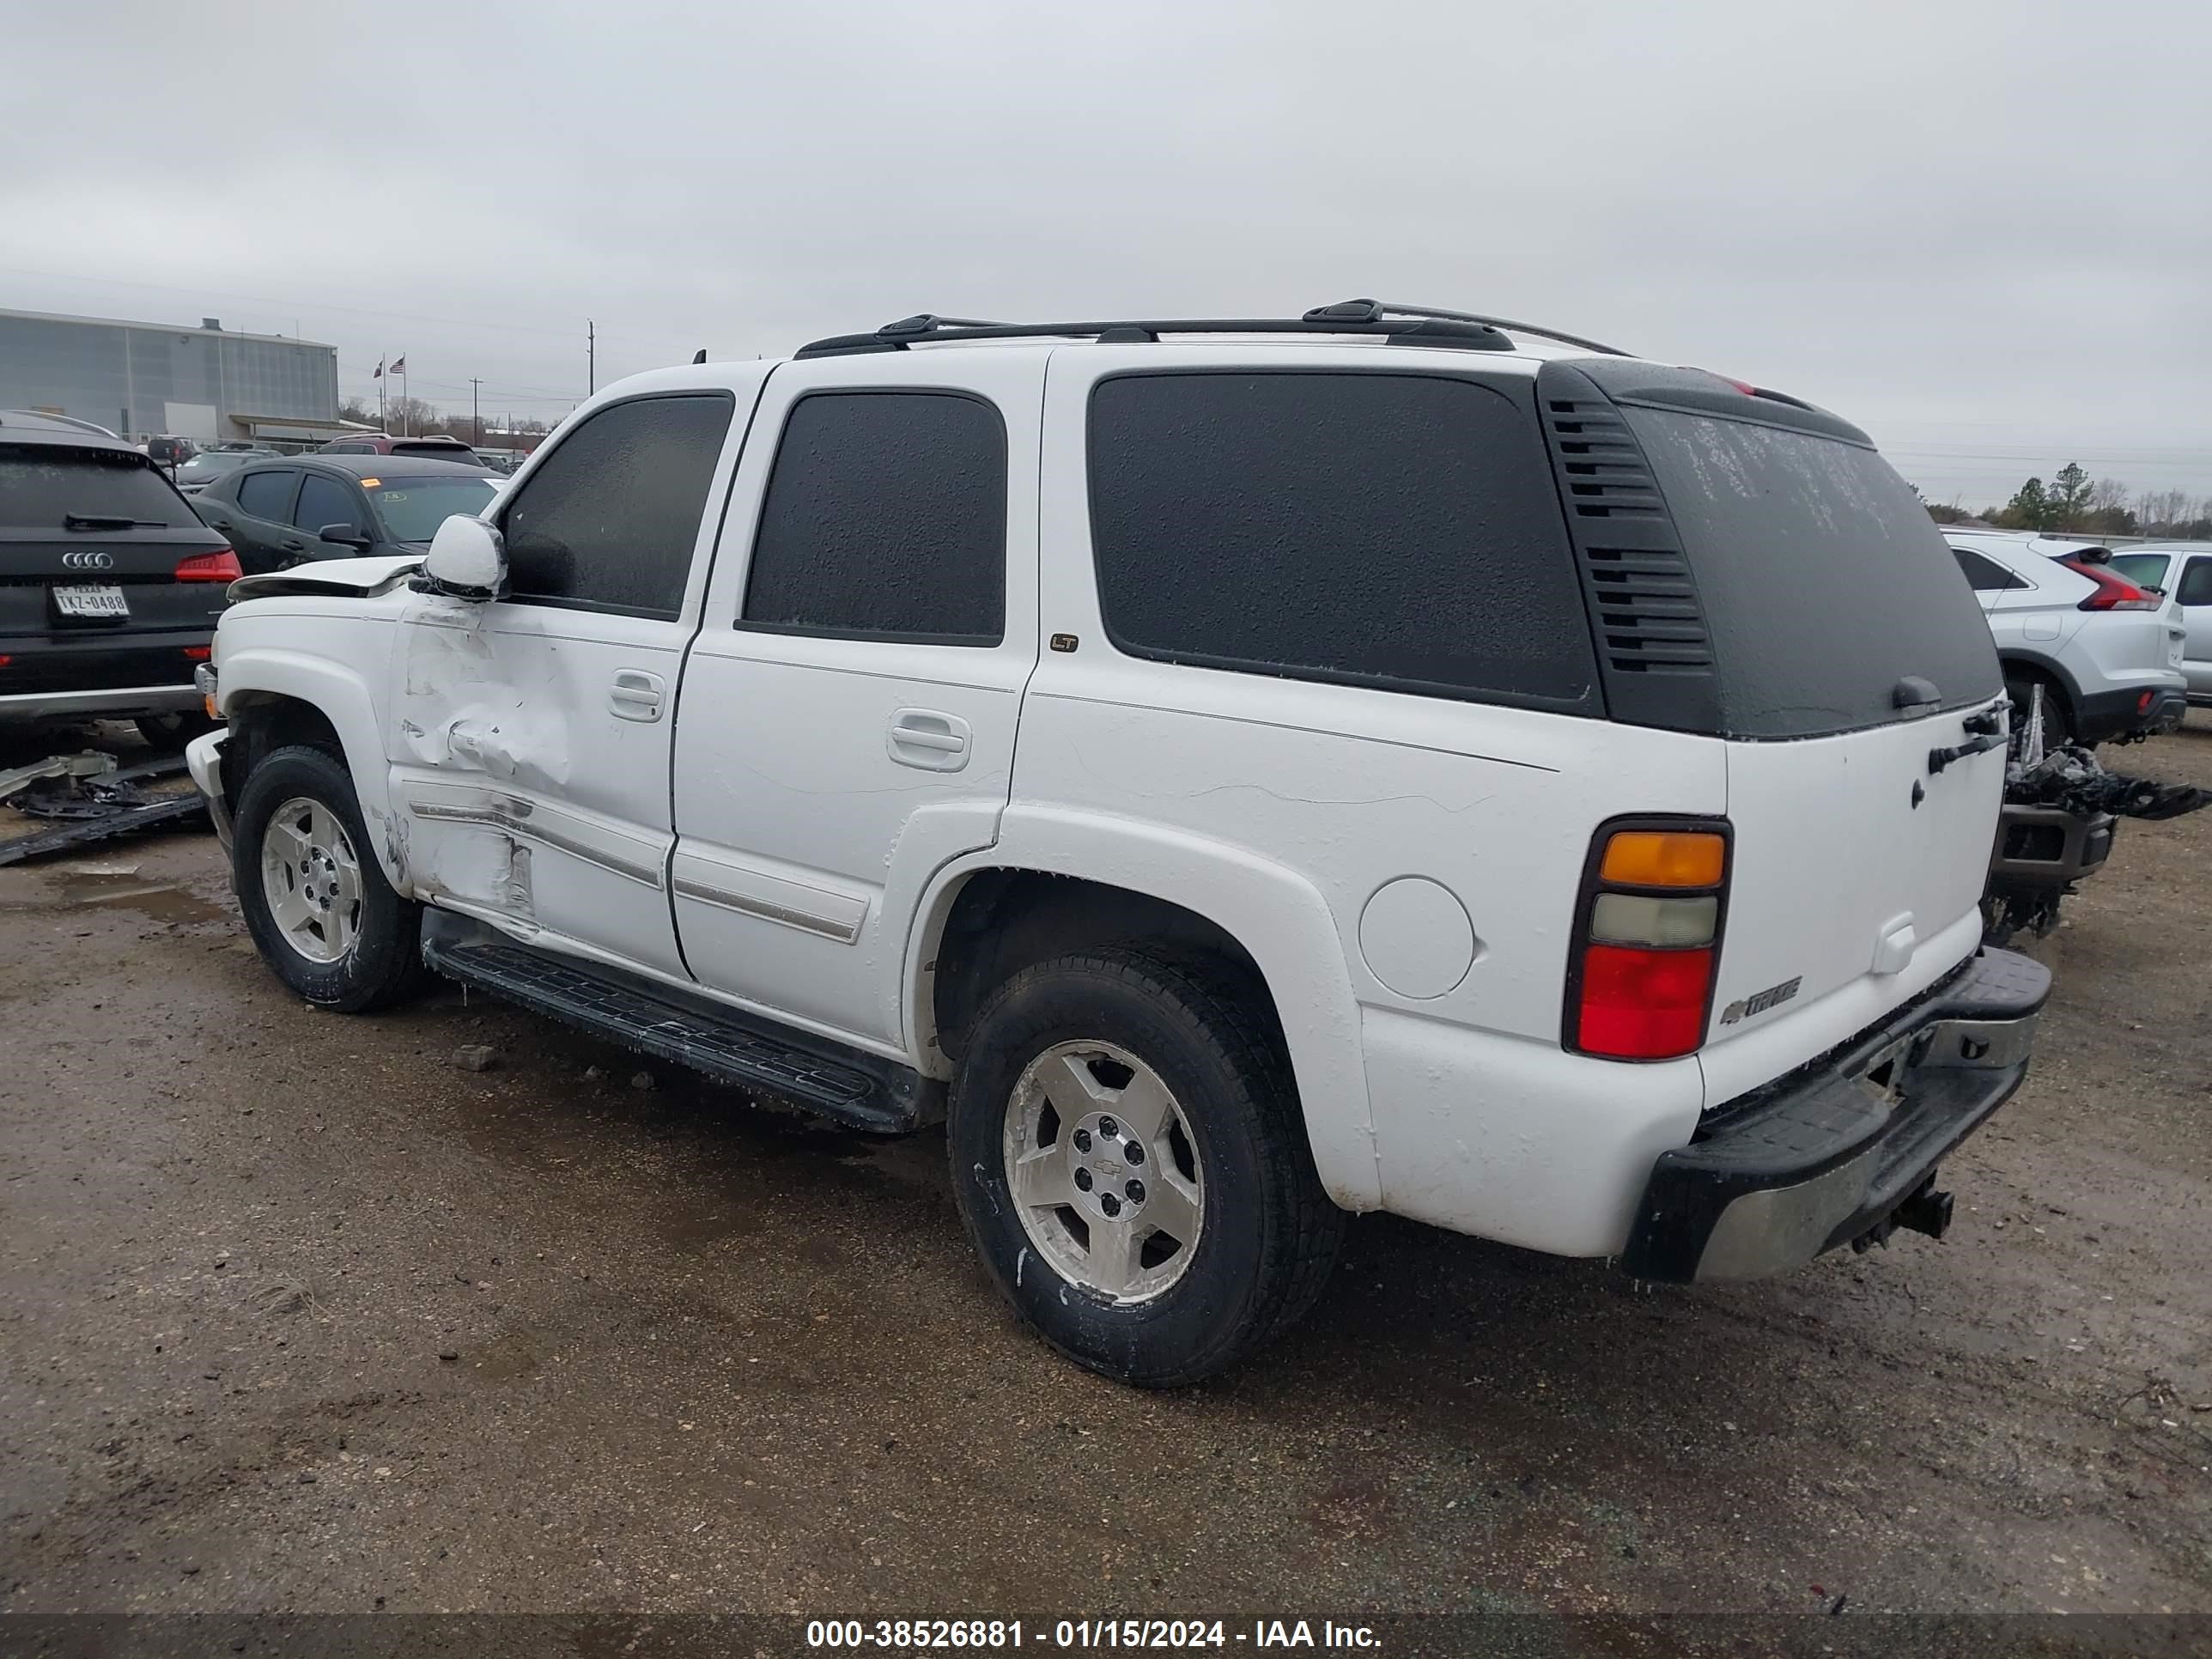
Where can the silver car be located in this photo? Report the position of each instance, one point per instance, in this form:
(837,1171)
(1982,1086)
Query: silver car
(2106,650)
(2184,571)
(204,468)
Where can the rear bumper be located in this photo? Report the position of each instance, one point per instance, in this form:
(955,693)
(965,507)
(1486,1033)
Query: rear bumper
(1827,1154)
(119,672)
(115,701)
(2169,711)
(2131,710)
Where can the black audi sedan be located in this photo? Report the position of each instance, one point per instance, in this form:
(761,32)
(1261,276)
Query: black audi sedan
(109,586)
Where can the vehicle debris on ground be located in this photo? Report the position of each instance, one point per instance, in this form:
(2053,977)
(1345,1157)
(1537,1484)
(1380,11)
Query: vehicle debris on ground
(2061,809)
(90,798)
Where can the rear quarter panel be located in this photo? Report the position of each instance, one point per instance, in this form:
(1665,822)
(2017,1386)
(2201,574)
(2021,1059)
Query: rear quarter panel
(1471,821)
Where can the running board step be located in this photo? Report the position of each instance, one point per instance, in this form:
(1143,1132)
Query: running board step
(856,1088)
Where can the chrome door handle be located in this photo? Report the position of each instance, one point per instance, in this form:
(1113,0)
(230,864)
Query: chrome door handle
(931,741)
(636,695)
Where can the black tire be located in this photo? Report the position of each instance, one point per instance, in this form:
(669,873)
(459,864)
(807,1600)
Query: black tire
(384,962)
(167,731)
(1268,1234)
(2057,719)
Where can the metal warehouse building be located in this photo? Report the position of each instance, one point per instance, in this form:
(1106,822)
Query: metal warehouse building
(141,379)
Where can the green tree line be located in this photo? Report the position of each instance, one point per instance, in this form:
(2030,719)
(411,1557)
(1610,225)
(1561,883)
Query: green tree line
(2071,503)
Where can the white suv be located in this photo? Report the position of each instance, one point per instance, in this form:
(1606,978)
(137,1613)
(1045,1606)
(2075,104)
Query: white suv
(2104,645)
(1238,772)
(2182,570)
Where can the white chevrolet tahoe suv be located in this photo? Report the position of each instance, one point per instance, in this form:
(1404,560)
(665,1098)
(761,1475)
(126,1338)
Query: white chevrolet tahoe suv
(1234,773)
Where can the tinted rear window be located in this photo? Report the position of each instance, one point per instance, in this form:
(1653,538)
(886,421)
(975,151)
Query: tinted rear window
(1823,580)
(40,485)
(1399,531)
(441,451)
(2147,569)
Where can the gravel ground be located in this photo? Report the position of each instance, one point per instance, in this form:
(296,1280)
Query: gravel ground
(296,1313)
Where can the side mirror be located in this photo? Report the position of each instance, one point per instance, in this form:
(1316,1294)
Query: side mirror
(467,560)
(345,535)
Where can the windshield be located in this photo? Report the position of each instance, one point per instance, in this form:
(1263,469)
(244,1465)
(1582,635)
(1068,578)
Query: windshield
(42,485)
(413,508)
(1822,578)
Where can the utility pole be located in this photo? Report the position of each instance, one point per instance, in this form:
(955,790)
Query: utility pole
(591,357)
(476,421)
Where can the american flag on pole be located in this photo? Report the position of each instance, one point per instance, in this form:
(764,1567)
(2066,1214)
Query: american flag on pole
(378,373)
(399,366)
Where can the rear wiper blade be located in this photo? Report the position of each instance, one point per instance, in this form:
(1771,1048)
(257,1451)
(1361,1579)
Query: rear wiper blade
(108,521)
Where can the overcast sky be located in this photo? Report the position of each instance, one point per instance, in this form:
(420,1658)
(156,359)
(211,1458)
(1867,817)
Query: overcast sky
(1982,230)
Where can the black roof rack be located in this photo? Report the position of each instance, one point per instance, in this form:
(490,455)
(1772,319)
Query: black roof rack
(1385,309)
(1354,317)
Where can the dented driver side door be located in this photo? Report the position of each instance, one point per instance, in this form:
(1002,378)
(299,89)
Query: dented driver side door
(531,736)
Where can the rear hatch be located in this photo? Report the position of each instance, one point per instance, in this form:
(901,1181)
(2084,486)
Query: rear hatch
(92,541)
(1756,573)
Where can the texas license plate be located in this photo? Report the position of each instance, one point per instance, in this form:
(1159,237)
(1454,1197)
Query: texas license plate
(93,599)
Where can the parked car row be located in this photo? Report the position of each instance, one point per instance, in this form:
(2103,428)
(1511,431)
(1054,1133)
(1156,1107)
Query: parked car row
(115,559)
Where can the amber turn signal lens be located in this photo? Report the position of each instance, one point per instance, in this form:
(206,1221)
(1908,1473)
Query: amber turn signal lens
(1664,857)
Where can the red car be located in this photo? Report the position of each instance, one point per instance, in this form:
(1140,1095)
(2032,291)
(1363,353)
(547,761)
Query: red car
(434,446)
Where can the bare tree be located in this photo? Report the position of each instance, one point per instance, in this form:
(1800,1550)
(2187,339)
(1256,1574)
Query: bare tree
(409,415)
(2161,512)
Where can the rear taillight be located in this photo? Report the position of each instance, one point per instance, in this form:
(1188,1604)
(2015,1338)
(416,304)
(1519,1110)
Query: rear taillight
(198,653)
(217,567)
(1647,932)
(2112,593)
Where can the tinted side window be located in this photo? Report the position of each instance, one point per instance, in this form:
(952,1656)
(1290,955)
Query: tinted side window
(1393,530)
(324,501)
(885,516)
(2196,583)
(1984,574)
(2144,569)
(609,521)
(267,495)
